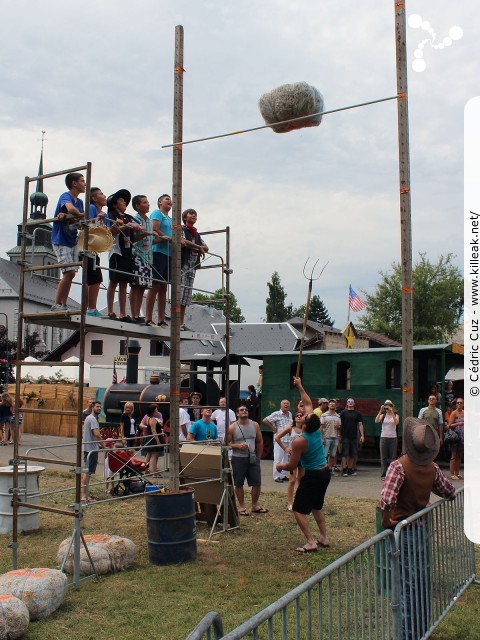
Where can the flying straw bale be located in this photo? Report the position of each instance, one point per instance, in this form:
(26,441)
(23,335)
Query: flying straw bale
(291,101)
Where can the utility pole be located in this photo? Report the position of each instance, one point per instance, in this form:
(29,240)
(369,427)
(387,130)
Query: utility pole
(176,258)
(405,209)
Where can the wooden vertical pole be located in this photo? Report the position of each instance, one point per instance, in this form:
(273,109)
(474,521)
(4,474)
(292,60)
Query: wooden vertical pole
(176,258)
(405,210)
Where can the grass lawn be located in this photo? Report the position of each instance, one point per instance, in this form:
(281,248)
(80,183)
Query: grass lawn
(237,575)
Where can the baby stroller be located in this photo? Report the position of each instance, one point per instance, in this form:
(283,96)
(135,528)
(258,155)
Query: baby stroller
(129,471)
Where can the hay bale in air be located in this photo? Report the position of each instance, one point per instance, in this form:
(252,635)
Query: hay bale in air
(291,101)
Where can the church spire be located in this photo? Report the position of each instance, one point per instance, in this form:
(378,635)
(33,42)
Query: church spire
(38,200)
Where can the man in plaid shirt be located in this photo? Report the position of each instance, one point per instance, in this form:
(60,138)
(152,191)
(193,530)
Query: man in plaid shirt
(406,490)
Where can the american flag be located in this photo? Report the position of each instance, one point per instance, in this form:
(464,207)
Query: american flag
(114,378)
(354,302)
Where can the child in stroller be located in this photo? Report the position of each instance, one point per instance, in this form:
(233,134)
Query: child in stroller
(130,471)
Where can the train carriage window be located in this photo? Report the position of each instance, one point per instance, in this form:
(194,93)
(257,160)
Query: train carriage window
(343,375)
(293,372)
(96,348)
(392,374)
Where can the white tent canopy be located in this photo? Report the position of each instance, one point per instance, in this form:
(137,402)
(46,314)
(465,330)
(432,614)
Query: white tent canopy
(70,373)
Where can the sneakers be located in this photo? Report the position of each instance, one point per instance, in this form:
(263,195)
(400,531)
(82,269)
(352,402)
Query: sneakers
(345,473)
(162,324)
(59,307)
(352,472)
(94,314)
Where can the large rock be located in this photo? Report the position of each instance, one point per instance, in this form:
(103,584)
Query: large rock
(109,554)
(41,590)
(14,618)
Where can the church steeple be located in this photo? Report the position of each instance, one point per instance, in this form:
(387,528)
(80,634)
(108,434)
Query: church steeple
(38,200)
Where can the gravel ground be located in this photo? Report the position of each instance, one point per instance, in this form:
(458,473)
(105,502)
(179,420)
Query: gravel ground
(366,484)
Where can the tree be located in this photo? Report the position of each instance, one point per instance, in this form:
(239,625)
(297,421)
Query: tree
(276,310)
(437,301)
(318,312)
(236,314)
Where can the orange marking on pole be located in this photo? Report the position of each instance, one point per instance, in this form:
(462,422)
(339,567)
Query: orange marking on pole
(404,190)
(407,390)
(402,95)
(176,309)
(177,147)
(176,226)
(179,70)
(407,289)
(174,393)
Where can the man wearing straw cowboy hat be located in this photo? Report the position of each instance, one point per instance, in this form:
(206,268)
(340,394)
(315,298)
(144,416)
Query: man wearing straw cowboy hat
(407,487)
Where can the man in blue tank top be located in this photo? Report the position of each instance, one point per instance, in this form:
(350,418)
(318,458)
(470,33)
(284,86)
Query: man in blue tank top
(309,452)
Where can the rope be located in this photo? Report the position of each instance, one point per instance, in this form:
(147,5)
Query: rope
(274,124)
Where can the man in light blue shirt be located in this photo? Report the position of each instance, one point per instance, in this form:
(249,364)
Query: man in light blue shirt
(203,429)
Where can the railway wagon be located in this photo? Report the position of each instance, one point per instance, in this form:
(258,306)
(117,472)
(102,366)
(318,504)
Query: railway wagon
(370,376)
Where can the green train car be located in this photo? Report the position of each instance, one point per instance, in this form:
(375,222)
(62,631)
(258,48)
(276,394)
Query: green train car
(370,376)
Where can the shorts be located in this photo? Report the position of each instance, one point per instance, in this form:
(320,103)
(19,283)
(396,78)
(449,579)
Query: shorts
(162,267)
(311,491)
(349,448)
(243,470)
(331,446)
(186,289)
(121,263)
(94,275)
(65,255)
(90,459)
(142,273)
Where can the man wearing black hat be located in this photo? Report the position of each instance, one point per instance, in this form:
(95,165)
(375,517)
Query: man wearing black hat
(121,258)
(406,490)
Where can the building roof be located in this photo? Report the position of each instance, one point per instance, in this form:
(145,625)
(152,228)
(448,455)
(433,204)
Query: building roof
(379,338)
(37,289)
(258,337)
(314,326)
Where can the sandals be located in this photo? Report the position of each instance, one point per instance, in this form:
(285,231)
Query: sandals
(243,512)
(320,544)
(112,316)
(150,323)
(306,549)
(260,510)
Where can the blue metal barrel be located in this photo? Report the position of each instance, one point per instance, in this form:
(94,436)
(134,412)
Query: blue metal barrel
(171,527)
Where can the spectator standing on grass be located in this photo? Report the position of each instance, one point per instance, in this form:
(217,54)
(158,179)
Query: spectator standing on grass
(203,429)
(92,442)
(388,437)
(223,418)
(330,425)
(406,490)
(128,429)
(322,407)
(456,423)
(309,452)
(352,426)
(195,411)
(68,215)
(285,439)
(433,415)
(245,439)
(277,421)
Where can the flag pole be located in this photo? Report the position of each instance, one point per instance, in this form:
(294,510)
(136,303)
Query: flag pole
(348,313)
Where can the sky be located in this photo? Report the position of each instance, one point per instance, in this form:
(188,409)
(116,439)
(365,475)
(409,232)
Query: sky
(97,77)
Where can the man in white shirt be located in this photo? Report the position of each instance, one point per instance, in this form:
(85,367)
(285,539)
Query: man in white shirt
(184,425)
(219,415)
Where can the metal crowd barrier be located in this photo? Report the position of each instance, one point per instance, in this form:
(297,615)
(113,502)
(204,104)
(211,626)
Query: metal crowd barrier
(397,585)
